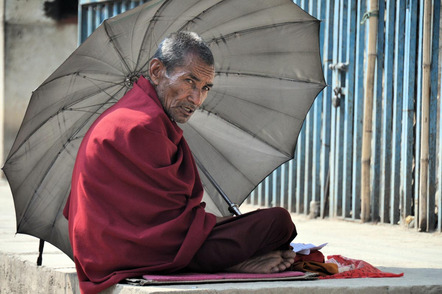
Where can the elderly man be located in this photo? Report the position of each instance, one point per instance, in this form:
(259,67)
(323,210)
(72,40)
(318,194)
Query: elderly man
(135,202)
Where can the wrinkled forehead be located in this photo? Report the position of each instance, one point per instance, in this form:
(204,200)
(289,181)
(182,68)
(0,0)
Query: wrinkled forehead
(194,65)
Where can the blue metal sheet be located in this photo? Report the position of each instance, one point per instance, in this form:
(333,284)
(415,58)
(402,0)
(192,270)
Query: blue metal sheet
(434,178)
(340,111)
(335,84)
(326,108)
(267,192)
(358,111)
(260,195)
(300,161)
(90,20)
(377,119)
(317,115)
(406,192)
(291,193)
(306,148)
(434,87)
(276,181)
(93,12)
(396,132)
(418,109)
(385,171)
(283,190)
(308,156)
(349,110)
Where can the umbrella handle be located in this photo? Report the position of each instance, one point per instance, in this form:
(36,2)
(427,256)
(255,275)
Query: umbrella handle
(233,208)
(40,252)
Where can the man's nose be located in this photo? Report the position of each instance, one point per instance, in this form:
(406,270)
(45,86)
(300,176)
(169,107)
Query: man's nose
(197,97)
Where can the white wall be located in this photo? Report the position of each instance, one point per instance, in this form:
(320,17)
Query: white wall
(34,47)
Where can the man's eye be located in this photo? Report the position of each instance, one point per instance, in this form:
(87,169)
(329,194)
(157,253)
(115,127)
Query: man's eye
(206,88)
(190,81)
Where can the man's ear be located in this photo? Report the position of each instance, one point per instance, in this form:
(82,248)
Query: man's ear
(156,70)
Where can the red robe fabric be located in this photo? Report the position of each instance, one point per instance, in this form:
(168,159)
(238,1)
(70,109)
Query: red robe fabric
(135,202)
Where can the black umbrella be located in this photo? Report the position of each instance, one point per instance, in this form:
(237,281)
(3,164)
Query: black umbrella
(268,73)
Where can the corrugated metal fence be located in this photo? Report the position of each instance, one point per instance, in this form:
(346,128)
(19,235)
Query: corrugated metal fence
(324,178)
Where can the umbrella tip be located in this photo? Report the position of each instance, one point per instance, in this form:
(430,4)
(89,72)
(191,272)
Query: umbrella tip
(131,79)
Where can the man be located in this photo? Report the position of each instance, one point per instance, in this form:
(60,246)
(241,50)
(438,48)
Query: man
(135,202)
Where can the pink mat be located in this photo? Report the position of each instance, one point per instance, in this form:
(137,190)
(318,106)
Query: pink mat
(186,278)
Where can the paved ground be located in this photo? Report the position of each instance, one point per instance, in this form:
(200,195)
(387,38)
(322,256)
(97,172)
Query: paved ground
(391,248)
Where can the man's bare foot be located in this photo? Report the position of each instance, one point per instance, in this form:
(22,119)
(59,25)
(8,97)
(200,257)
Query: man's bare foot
(272,262)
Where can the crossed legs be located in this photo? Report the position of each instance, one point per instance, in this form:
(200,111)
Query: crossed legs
(256,242)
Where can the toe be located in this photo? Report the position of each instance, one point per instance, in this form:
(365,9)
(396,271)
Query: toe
(274,270)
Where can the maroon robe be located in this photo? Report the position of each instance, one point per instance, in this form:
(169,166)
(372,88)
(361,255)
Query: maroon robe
(135,202)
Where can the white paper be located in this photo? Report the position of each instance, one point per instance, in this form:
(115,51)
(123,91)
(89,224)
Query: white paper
(305,249)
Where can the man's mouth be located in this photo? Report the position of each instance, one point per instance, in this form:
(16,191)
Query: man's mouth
(189,109)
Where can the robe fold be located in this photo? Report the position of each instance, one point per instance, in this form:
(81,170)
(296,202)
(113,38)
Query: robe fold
(135,201)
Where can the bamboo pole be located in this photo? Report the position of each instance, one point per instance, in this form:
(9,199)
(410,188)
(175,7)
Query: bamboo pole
(425,119)
(368,110)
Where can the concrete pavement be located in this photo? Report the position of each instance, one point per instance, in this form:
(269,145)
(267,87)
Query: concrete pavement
(390,248)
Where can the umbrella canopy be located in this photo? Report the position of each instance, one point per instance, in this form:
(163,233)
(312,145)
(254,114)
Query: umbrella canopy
(268,73)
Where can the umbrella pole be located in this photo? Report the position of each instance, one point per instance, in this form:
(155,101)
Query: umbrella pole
(233,207)
(40,252)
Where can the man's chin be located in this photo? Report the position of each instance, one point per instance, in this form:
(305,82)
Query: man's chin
(181,120)
(180,116)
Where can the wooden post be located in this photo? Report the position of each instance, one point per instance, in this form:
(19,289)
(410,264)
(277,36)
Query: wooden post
(425,119)
(368,110)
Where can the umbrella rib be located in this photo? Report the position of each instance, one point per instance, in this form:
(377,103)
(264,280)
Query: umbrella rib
(251,102)
(106,27)
(100,61)
(132,34)
(78,74)
(214,7)
(245,176)
(250,133)
(268,77)
(154,18)
(43,177)
(251,30)
(53,162)
(149,29)
(64,108)
(199,15)
(99,90)
(62,204)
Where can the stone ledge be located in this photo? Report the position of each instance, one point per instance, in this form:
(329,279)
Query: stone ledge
(22,276)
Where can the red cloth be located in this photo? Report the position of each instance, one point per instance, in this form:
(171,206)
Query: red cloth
(320,268)
(356,269)
(314,255)
(134,206)
(314,262)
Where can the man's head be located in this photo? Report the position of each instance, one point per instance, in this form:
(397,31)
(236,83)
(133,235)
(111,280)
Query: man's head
(182,72)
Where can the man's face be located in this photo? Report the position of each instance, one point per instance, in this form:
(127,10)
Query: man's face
(184,89)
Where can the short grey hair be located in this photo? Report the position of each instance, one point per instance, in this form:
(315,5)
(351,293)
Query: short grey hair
(173,50)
